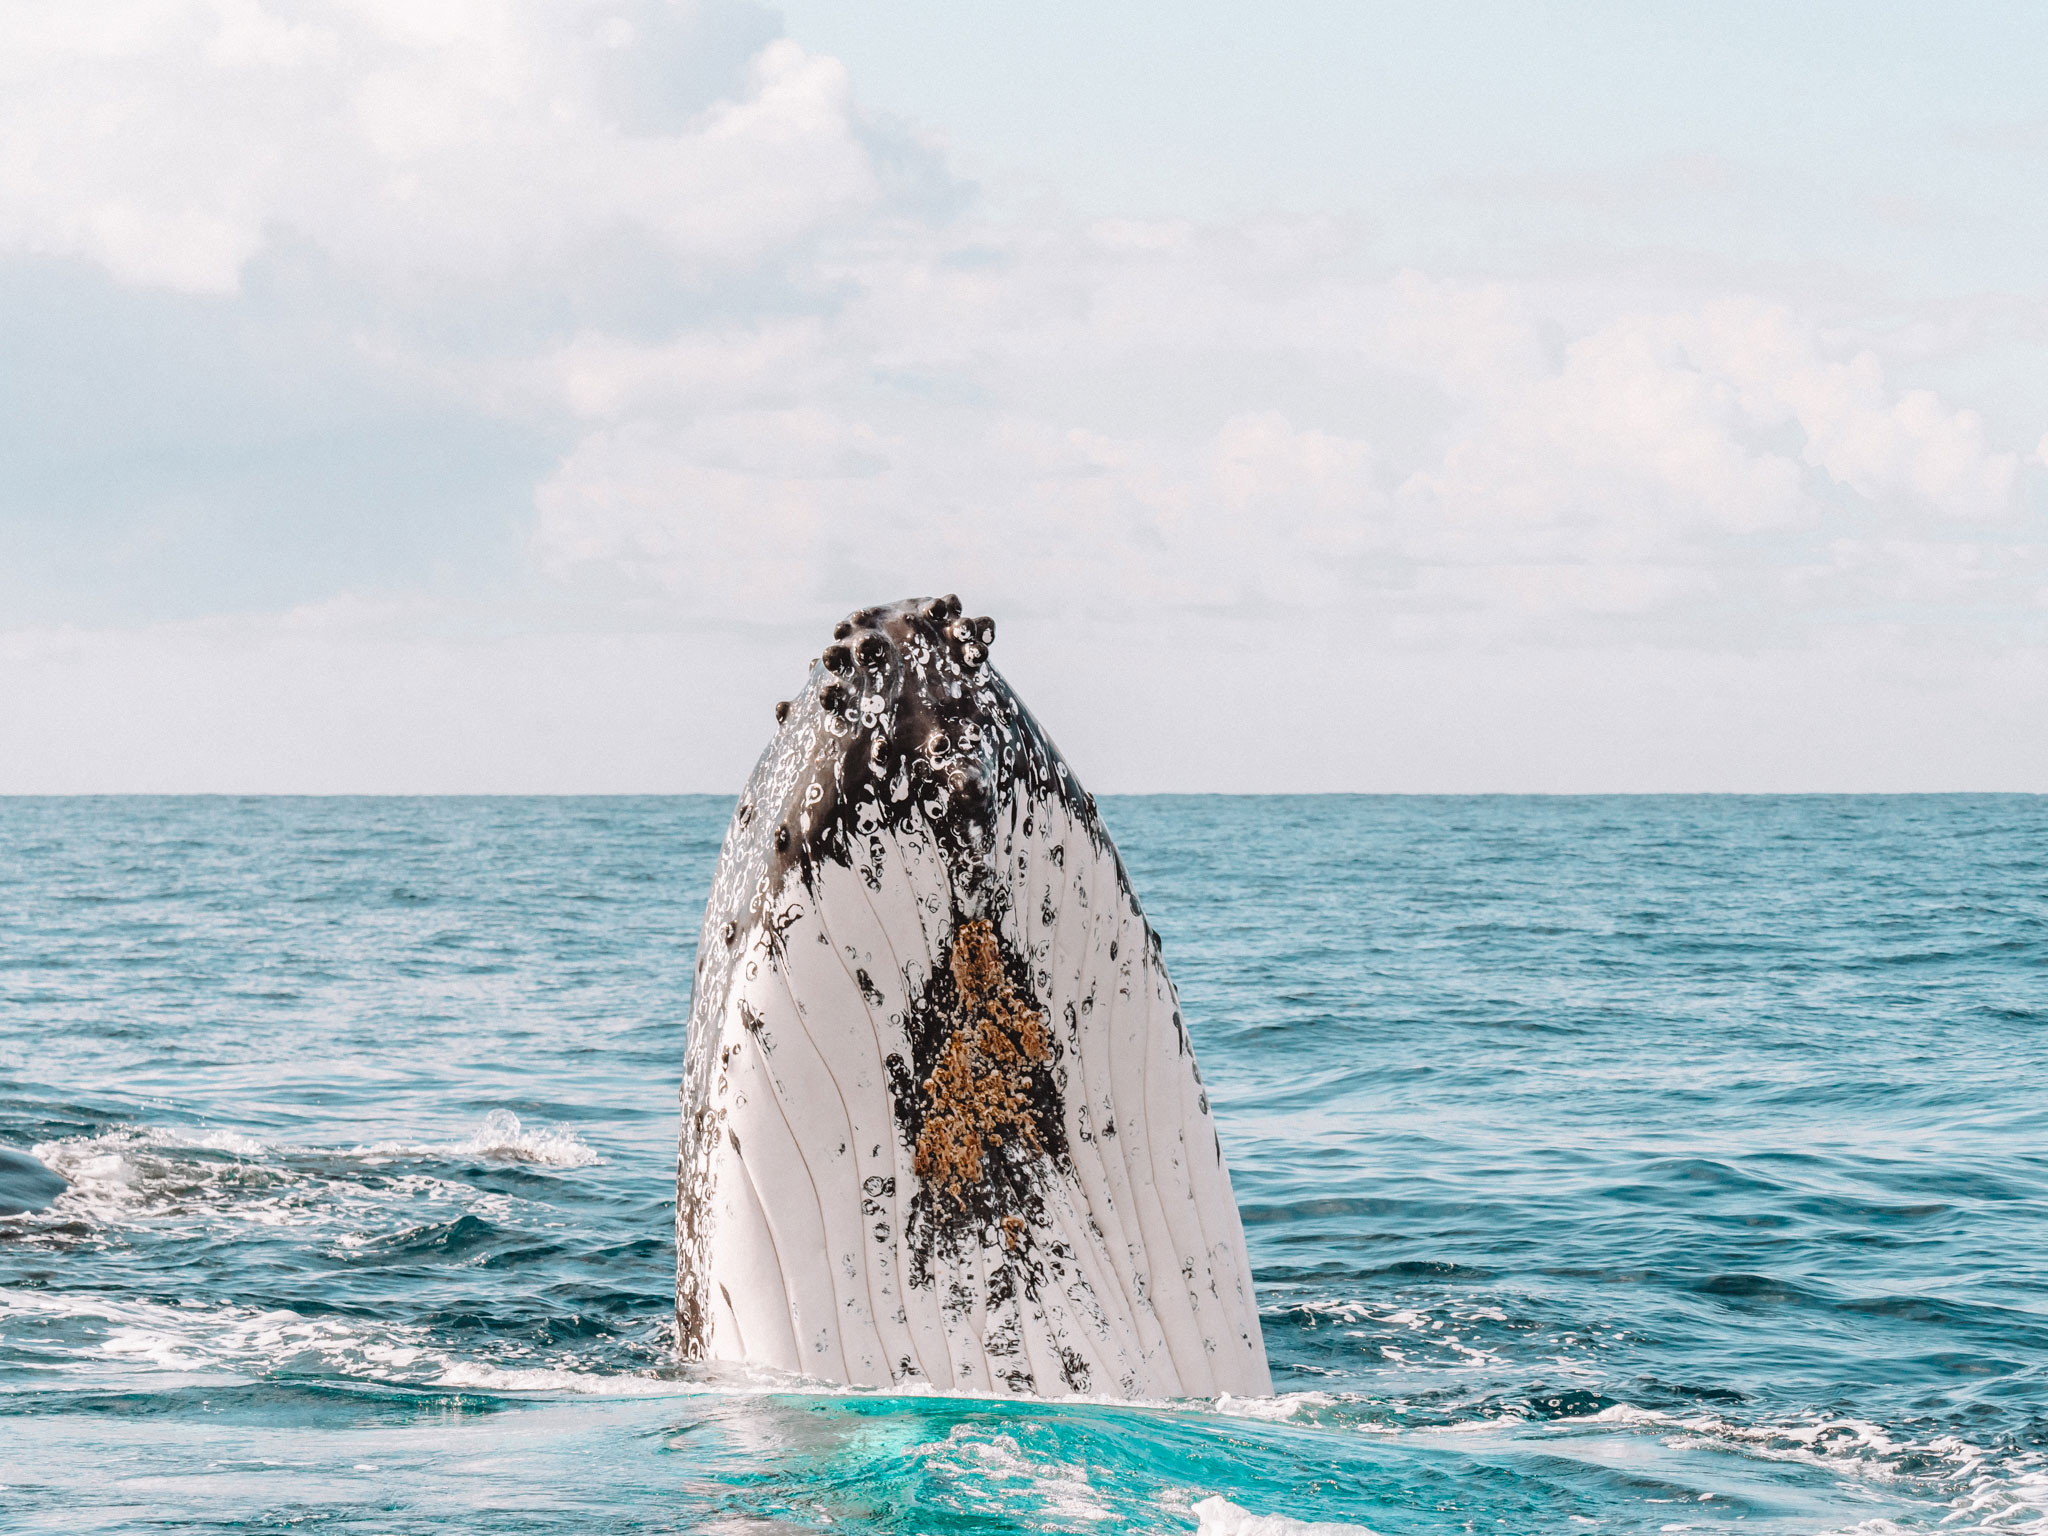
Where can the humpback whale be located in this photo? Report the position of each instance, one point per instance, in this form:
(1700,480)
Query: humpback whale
(941,1121)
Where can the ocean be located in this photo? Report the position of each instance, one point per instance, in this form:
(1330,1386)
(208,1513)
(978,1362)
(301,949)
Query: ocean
(1615,1164)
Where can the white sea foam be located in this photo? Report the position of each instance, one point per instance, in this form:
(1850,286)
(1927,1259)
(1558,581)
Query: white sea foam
(994,1470)
(1279,1408)
(1428,1337)
(1220,1517)
(481,1376)
(187,1183)
(207,1177)
(133,1169)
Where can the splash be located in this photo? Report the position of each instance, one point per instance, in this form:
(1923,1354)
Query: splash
(503,1138)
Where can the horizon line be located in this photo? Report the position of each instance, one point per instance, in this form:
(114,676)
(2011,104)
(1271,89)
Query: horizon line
(1143,794)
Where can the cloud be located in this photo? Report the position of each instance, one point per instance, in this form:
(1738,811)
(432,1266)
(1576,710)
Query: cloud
(170,141)
(1445,460)
(804,390)
(1881,443)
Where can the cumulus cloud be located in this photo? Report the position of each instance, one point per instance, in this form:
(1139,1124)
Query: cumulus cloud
(169,141)
(801,391)
(1440,459)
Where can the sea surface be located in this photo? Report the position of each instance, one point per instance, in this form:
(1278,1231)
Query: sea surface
(1608,1164)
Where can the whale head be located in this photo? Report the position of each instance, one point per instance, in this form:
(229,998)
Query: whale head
(902,725)
(941,1120)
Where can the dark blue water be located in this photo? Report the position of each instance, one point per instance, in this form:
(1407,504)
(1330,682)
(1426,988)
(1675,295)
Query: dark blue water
(1608,1164)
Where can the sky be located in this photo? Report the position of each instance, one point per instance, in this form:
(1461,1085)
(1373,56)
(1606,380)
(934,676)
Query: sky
(481,396)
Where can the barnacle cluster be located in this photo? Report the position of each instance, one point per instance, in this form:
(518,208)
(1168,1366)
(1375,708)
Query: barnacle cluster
(980,1095)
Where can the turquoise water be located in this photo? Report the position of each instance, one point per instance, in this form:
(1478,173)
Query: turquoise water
(1608,1165)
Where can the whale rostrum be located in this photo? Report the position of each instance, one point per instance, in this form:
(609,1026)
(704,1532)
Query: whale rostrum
(941,1120)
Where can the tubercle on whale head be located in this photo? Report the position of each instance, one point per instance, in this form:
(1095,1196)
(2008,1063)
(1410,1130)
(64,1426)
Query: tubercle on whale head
(903,717)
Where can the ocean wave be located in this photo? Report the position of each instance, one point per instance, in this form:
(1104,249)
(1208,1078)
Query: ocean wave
(139,1170)
(1980,1488)
(1984,1488)
(95,1336)
(185,1183)
(129,1171)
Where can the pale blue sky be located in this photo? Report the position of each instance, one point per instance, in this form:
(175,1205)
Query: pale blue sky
(1906,139)
(504,395)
